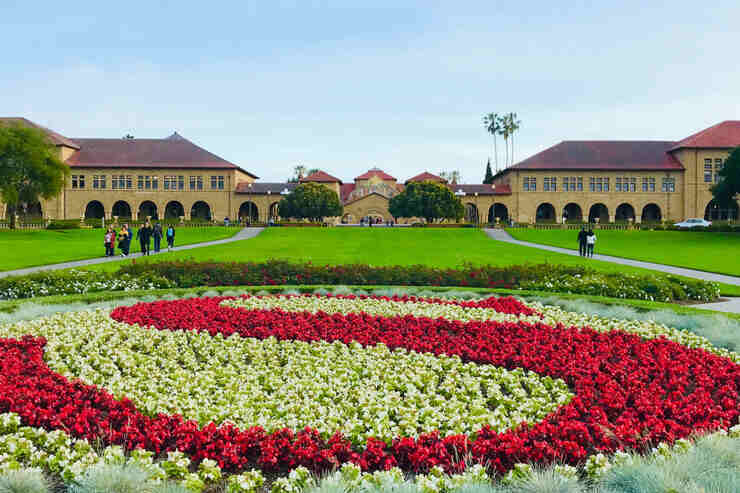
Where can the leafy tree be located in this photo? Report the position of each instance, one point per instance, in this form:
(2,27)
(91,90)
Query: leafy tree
(311,201)
(30,167)
(450,176)
(489,175)
(426,199)
(301,171)
(728,185)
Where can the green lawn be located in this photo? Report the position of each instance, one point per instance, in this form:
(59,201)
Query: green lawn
(381,246)
(712,252)
(30,248)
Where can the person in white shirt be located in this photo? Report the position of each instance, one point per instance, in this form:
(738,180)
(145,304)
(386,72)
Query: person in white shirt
(590,242)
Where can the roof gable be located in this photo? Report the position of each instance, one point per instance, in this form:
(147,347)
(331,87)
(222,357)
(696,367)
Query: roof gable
(722,135)
(604,155)
(321,177)
(426,176)
(375,172)
(56,138)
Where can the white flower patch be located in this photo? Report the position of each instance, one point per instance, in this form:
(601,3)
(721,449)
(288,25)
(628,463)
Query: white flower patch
(361,391)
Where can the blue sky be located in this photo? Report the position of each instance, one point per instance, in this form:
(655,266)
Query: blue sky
(344,86)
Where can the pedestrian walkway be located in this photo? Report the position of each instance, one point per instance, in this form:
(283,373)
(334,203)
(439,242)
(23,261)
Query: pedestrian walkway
(502,235)
(244,234)
(731,305)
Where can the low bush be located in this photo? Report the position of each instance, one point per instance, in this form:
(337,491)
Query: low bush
(64,224)
(546,277)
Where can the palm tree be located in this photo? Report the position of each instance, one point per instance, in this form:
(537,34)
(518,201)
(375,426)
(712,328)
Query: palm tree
(513,127)
(505,131)
(492,122)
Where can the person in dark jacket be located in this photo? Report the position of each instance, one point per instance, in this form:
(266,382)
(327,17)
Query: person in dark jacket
(170,235)
(144,235)
(582,240)
(124,243)
(157,235)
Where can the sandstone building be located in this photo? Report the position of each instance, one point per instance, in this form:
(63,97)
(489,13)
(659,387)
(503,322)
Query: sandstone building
(574,181)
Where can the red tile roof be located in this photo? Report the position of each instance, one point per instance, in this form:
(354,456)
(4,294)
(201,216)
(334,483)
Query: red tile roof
(57,139)
(345,190)
(265,188)
(375,172)
(722,135)
(426,176)
(321,177)
(480,189)
(604,155)
(173,152)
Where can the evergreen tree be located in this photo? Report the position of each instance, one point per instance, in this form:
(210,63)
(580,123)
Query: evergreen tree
(488,180)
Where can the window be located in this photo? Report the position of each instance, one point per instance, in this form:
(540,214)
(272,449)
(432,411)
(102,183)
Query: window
(141,182)
(181,182)
(217,182)
(645,183)
(196,183)
(580,184)
(550,184)
(148,182)
(155,182)
(707,171)
(170,182)
(98,181)
(718,165)
(669,184)
(592,184)
(121,182)
(606,184)
(633,184)
(618,185)
(530,184)
(566,183)
(75,182)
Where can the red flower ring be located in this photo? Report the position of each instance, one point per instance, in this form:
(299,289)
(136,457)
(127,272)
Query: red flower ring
(630,392)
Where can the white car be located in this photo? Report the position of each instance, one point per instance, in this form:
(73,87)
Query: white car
(694,222)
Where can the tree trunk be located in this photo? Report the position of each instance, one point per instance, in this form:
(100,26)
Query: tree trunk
(11,215)
(495,152)
(506,145)
(512,149)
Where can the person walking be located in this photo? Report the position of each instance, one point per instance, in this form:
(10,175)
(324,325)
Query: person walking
(108,242)
(144,235)
(124,243)
(591,241)
(582,242)
(157,235)
(170,235)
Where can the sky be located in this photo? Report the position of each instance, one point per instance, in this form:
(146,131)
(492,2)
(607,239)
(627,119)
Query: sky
(346,86)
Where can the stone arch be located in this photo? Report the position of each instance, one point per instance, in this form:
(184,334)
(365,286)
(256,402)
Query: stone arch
(348,218)
(572,212)
(599,211)
(121,209)
(651,214)
(713,212)
(94,210)
(30,211)
(498,210)
(274,211)
(200,211)
(545,213)
(249,211)
(471,213)
(174,210)
(147,209)
(624,212)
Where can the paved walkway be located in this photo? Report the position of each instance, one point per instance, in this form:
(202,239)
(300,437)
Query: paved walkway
(733,305)
(244,234)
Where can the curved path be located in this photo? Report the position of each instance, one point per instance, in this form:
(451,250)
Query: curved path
(732,305)
(244,234)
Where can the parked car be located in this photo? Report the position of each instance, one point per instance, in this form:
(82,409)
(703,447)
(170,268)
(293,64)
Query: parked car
(693,222)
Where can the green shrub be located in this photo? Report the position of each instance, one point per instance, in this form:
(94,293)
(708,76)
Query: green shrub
(64,224)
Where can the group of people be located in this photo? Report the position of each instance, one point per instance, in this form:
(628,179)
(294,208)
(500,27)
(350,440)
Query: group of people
(586,242)
(148,232)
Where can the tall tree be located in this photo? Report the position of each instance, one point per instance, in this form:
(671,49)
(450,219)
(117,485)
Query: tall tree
(299,172)
(513,125)
(492,123)
(505,132)
(727,189)
(489,175)
(311,201)
(426,199)
(30,167)
(451,176)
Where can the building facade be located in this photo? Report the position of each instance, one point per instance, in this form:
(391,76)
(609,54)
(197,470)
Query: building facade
(608,181)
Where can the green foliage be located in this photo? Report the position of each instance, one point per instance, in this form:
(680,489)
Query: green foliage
(64,224)
(105,478)
(24,481)
(489,174)
(728,186)
(29,167)
(311,201)
(426,199)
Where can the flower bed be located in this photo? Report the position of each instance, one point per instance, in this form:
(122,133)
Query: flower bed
(377,382)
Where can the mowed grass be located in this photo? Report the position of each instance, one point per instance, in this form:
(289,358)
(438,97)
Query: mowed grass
(31,248)
(711,252)
(385,246)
